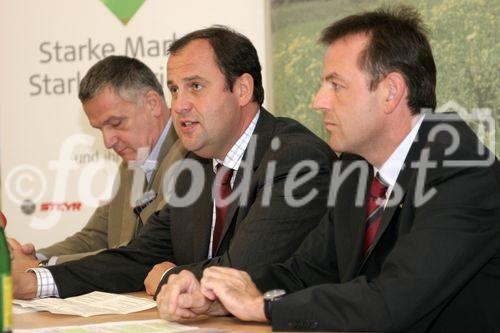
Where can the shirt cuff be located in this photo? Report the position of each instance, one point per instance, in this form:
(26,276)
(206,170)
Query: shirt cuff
(49,261)
(165,273)
(52,261)
(46,286)
(40,256)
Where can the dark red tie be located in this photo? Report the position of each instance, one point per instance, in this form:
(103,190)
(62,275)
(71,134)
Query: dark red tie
(223,190)
(374,210)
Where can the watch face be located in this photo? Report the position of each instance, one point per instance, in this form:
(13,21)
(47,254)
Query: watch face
(272,294)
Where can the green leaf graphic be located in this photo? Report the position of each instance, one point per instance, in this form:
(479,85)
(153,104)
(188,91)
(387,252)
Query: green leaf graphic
(124,10)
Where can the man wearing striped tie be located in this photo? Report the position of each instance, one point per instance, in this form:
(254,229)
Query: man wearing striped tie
(412,238)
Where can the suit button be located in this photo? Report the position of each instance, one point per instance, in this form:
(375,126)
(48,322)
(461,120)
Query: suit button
(310,324)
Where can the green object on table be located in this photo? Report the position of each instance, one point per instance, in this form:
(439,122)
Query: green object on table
(5,285)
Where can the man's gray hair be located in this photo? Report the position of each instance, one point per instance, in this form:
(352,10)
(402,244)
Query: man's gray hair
(125,75)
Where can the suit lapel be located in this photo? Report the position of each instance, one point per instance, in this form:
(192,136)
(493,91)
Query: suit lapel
(176,153)
(166,157)
(388,214)
(356,214)
(202,215)
(260,141)
(164,150)
(406,174)
(125,217)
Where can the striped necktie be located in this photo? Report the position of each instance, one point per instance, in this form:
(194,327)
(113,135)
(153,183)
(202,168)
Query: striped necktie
(374,210)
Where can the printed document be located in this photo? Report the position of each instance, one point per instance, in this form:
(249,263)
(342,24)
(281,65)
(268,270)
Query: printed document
(92,304)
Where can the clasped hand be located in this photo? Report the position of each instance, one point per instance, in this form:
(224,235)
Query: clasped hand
(22,256)
(155,275)
(221,291)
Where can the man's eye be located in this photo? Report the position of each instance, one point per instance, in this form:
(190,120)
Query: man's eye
(196,86)
(335,85)
(116,123)
(173,90)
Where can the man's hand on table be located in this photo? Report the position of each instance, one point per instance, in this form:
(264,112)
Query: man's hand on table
(25,285)
(236,292)
(182,298)
(154,276)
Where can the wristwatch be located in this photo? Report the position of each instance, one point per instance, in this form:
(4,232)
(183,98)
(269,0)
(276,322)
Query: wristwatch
(270,297)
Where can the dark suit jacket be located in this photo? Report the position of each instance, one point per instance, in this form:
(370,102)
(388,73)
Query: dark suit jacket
(435,266)
(253,234)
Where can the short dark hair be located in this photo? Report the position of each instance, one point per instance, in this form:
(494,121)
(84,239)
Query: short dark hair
(234,54)
(121,73)
(398,43)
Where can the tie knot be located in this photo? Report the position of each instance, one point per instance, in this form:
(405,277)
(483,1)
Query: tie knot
(378,188)
(224,174)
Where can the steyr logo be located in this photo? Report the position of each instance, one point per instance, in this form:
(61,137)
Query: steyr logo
(123,10)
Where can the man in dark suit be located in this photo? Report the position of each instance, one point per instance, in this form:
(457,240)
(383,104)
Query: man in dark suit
(281,174)
(415,248)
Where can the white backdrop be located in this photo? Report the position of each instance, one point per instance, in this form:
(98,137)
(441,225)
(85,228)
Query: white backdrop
(50,158)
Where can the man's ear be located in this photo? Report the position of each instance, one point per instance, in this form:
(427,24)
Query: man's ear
(243,88)
(152,101)
(395,90)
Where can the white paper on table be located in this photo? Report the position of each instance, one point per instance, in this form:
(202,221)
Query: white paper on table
(92,304)
(155,325)
(17,309)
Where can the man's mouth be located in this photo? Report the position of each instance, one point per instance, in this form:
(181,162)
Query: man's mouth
(188,124)
(124,153)
(120,151)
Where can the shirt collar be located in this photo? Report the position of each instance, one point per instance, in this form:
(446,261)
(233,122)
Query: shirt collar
(389,171)
(235,154)
(149,165)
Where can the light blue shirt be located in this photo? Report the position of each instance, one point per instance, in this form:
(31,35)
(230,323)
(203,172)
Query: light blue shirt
(149,165)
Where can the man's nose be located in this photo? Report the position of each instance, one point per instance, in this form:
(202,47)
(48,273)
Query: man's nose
(109,138)
(182,103)
(319,102)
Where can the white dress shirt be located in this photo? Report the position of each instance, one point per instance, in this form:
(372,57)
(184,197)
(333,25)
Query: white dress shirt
(391,168)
